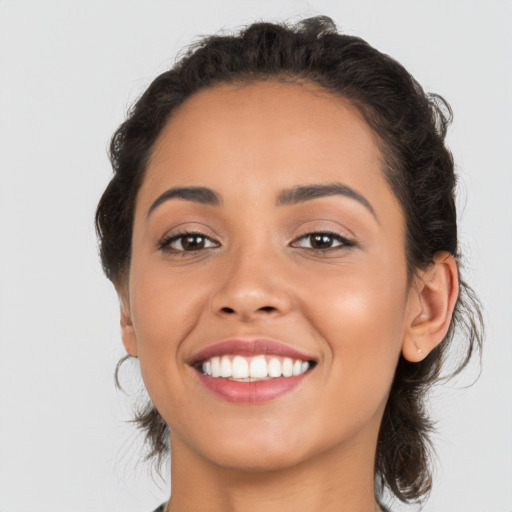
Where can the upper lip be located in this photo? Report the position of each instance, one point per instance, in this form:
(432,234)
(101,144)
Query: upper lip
(248,347)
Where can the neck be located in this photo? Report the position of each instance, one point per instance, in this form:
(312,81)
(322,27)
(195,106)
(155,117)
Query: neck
(339,480)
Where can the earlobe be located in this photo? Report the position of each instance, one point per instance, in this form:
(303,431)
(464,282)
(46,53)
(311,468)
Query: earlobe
(431,304)
(127,331)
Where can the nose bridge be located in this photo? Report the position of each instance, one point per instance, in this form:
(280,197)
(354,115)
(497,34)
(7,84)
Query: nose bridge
(252,281)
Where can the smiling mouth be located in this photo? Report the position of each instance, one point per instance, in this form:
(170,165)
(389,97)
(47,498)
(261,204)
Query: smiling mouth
(254,368)
(251,370)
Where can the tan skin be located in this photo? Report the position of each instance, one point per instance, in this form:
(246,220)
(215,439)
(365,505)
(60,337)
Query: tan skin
(259,271)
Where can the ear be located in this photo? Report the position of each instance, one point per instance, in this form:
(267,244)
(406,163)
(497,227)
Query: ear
(432,299)
(127,331)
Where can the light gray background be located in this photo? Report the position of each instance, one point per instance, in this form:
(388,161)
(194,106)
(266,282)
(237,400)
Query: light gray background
(68,71)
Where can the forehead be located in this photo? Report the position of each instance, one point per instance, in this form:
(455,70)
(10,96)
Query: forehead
(266,134)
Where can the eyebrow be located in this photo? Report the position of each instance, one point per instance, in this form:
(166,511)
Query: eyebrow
(304,193)
(201,195)
(299,194)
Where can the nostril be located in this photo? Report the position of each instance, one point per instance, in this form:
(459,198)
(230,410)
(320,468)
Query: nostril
(263,308)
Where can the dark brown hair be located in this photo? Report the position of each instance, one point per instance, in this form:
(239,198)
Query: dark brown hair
(410,126)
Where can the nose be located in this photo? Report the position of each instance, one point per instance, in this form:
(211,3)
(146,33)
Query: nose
(252,286)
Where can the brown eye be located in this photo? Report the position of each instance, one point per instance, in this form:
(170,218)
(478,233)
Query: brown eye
(322,241)
(193,242)
(187,242)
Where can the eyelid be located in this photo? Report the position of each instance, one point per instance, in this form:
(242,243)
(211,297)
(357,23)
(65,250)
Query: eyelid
(164,243)
(345,241)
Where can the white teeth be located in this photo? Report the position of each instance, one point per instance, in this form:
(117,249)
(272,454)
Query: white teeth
(258,368)
(240,367)
(287,367)
(253,368)
(274,367)
(225,367)
(215,367)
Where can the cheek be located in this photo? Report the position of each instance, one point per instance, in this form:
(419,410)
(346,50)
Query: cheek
(164,308)
(164,311)
(365,293)
(361,317)
(361,322)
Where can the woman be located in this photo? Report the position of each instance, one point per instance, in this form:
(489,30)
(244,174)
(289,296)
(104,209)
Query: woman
(281,231)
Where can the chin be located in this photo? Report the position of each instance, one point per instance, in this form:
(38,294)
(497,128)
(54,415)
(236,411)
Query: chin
(259,459)
(261,447)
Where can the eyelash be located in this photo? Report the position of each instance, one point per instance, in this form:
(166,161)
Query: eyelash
(344,242)
(165,243)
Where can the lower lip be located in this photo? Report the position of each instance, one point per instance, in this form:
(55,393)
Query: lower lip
(251,392)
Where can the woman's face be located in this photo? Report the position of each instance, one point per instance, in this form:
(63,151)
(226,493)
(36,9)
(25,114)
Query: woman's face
(266,231)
